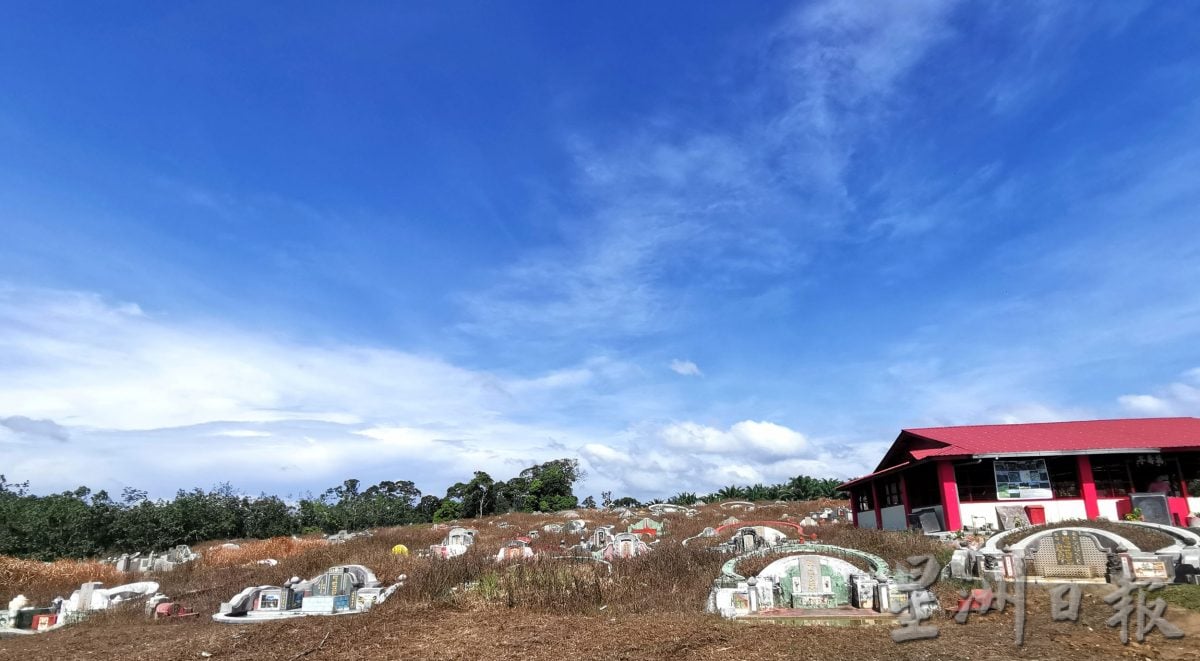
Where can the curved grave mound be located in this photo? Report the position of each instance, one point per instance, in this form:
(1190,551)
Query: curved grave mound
(747,536)
(1084,551)
(811,582)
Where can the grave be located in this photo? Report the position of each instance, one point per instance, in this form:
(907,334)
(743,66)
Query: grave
(517,549)
(668,508)
(1067,554)
(340,590)
(622,546)
(818,584)
(1078,553)
(648,527)
(456,543)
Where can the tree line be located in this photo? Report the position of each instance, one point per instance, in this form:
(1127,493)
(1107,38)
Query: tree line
(83,523)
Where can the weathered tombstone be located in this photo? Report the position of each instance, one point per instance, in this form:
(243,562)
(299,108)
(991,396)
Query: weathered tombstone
(930,523)
(1011,516)
(1153,506)
(1068,554)
(863,595)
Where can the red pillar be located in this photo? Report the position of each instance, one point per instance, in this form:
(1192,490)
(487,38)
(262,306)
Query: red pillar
(1087,487)
(854,507)
(875,502)
(949,486)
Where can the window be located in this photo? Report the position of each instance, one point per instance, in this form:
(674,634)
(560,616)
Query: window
(1111,475)
(891,493)
(922,486)
(863,499)
(1064,476)
(976,480)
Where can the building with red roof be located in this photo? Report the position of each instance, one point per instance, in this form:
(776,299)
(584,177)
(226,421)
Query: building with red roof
(1056,470)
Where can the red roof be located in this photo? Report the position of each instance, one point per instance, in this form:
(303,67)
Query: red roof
(914,445)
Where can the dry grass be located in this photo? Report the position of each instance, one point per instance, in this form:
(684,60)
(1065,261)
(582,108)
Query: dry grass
(42,581)
(250,552)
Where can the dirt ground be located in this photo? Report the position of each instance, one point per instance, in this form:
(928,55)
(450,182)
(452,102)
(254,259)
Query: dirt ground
(648,608)
(406,631)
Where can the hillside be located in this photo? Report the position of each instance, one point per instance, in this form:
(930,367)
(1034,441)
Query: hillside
(649,607)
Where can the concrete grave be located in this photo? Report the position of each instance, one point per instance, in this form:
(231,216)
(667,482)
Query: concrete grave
(517,549)
(817,584)
(456,543)
(622,546)
(340,590)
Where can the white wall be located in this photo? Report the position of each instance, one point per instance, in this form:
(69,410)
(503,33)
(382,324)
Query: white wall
(894,518)
(866,519)
(1193,506)
(1108,508)
(1056,510)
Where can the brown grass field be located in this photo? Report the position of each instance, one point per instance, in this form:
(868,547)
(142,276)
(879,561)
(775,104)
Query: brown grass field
(650,607)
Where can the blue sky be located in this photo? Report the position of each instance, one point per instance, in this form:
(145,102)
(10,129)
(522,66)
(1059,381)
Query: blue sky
(692,245)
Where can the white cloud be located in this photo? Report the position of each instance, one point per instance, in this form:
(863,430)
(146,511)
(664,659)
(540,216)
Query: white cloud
(1180,398)
(156,403)
(685,368)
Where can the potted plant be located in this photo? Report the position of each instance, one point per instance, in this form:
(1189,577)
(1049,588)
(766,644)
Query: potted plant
(1135,515)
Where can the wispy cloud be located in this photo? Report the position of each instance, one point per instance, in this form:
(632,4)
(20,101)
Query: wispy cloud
(685,368)
(718,205)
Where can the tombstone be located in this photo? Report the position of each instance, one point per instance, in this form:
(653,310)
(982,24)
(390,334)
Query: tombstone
(624,545)
(811,581)
(930,522)
(1011,516)
(730,521)
(863,591)
(1154,507)
(576,526)
(553,527)
(808,521)
(1067,554)
(330,592)
(747,540)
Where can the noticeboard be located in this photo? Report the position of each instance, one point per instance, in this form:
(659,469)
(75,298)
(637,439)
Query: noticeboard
(1024,479)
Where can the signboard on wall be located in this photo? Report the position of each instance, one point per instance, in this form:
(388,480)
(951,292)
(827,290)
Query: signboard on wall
(1023,479)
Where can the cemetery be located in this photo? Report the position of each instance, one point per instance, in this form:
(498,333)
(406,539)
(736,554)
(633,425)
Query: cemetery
(707,580)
